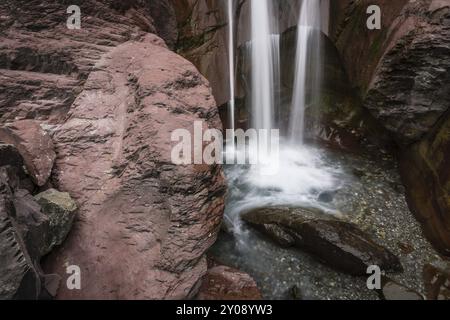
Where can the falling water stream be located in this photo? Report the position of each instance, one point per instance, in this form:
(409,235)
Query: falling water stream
(231,65)
(302,172)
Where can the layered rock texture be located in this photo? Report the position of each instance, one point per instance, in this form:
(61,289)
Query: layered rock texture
(402,74)
(110,95)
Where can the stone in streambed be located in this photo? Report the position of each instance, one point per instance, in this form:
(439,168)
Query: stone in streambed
(225,283)
(392,290)
(60,210)
(336,243)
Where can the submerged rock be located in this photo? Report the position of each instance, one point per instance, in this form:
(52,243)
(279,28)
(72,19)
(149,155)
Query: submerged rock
(225,283)
(60,210)
(338,244)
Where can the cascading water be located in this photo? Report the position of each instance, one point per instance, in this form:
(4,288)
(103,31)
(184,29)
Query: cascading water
(262,65)
(307,66)
(231,111)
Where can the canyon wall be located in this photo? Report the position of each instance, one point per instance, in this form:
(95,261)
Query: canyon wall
(402,73)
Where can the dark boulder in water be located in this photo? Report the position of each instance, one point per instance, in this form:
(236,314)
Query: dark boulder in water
(336,243)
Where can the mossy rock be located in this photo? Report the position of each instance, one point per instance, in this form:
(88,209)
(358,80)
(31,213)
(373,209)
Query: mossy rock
(60,209)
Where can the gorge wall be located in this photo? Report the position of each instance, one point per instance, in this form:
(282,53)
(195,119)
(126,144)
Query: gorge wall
(402,73)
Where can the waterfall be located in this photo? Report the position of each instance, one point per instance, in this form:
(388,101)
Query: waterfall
(263,66)
(300,171)
(231,64)
(307,66)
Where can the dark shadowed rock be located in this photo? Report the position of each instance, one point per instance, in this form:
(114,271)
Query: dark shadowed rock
(59,209)
(34,225)
(25,234)
(19,278)
(35,146)
(225,283)
(338,244)
(12,163)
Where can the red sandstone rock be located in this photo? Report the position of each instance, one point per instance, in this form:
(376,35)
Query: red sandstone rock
(35,146)
(144,223)
(225,283)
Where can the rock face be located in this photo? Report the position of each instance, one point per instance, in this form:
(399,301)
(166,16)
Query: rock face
(426,171)
(24,229)
(202,39)
(111,94)
(225,283)
(411,89)
(337,243)
(402,72)
(35,146)
(136,207)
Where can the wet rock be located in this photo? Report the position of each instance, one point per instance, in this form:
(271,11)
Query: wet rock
(425,171)
(59,209)
(410,90)
(392,290)
(437,280)
(225,283)
(35,146)
(336,243)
